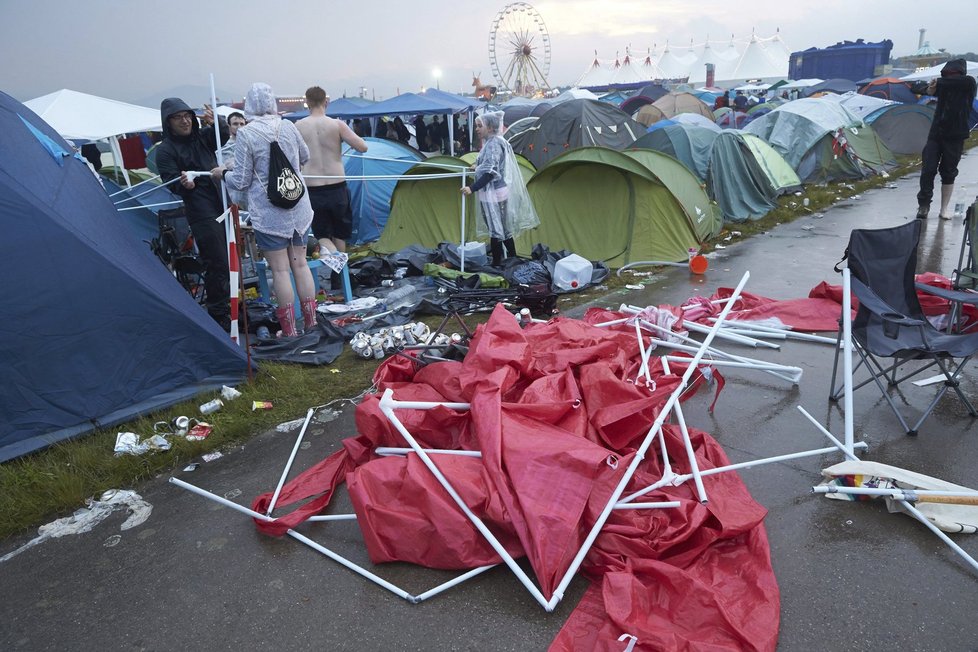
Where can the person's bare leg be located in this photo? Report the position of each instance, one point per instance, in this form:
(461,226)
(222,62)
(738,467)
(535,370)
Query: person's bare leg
(305,285)
(339,244)
(326,246)
(278,261)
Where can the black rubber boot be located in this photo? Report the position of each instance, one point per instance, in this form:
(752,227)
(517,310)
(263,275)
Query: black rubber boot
(496,248)
(510,247)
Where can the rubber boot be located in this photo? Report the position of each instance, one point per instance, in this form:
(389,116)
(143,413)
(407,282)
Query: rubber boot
(496,248)
(308,314)
(510,248)
(286,319)
(947,189)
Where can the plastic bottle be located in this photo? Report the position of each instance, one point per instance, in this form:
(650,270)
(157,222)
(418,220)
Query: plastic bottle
(399,297)
(263,333)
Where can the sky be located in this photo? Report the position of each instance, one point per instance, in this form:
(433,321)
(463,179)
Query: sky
(140,51)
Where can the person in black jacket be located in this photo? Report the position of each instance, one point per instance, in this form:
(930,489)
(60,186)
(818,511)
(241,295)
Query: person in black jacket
(188,148)
(955,93)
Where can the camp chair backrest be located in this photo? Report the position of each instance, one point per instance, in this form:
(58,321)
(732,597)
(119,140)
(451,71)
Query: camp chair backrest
(885,260)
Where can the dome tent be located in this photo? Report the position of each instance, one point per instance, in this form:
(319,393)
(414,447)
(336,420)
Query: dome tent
(620,207)
(105,339)
(823,141)
(573,124)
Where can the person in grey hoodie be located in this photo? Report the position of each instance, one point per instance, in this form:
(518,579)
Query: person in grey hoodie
(955,93)
(186,147)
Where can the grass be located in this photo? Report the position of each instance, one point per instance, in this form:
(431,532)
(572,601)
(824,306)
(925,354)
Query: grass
(58,480)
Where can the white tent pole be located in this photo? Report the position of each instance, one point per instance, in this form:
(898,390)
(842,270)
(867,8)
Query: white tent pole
(117,159)
(388,451)
(387,405)
(326,551)
(451,132)
(727,334)
(640,453)
(847,356)
(288,465)
(787,332)
(230,243)
(694,466)
(461,246)
(933,528)
(453,582)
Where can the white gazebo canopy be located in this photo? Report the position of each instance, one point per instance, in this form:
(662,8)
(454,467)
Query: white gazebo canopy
(935,71)
(80,116)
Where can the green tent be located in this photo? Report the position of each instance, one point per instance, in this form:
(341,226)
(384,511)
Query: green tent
(620,207)
(747,176)
(427,211)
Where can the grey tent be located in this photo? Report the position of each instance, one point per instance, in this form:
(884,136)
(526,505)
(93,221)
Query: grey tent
(573,124)
(823,141)
(902,127)
(742,173)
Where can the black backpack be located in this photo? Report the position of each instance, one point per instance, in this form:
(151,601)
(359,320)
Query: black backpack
(285,187)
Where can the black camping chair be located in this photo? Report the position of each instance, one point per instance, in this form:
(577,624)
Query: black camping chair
(964,278)
(175,249)
(890,333)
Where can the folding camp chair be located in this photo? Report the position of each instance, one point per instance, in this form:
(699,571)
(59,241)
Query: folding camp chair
(890,333)
(175,249)
(964,278)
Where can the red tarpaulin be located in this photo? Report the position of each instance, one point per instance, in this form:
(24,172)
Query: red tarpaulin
(558,417)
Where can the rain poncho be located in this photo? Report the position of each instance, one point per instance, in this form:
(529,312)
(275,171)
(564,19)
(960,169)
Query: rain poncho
(504,204)
(251,156)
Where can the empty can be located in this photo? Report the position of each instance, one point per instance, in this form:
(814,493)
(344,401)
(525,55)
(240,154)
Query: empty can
(211,406)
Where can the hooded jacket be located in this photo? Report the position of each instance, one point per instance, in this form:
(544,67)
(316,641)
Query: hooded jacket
(955,96)
(178,154)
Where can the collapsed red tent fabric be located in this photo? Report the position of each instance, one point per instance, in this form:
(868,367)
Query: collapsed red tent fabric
(557,417)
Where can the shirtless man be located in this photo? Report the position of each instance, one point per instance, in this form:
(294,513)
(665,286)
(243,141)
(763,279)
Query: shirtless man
(332,221)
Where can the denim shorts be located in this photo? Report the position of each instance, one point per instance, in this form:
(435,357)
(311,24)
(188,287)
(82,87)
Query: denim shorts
(276,243)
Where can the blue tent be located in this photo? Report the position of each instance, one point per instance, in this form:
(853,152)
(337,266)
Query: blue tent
(95,331)
(140,205)
(371,198)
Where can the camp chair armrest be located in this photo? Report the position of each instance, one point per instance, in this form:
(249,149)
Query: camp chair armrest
(960,296)
(872,302)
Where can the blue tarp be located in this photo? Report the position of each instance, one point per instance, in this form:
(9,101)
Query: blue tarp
(404,104)
(334,109)
(98,332)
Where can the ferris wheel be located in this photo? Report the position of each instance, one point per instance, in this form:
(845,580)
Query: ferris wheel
(519,49)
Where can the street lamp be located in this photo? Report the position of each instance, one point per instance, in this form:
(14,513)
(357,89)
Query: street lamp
(436,73)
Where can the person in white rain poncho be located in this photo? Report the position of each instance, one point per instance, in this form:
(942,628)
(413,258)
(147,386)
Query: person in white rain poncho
(280,232)
(504,204)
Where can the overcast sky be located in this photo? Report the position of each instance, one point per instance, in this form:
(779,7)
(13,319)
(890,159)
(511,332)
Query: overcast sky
(138,51)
